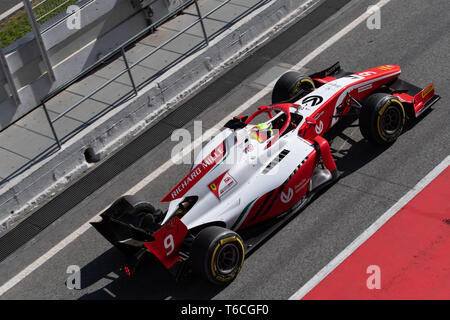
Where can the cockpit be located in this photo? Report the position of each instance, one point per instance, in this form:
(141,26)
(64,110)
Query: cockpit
(273,121)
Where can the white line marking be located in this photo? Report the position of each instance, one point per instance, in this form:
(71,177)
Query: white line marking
(11,11)
(155,174)
(109,292)
(322,274)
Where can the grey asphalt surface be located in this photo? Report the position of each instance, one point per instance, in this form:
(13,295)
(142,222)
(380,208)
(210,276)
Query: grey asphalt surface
(412,35)
(7,4)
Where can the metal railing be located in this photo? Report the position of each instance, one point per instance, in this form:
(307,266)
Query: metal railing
(45,8)
(128,68)
(121,51)
(46,12)
(8,77)
(99,63)
(38,13)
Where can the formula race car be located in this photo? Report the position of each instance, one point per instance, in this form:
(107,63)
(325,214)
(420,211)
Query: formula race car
(260,171)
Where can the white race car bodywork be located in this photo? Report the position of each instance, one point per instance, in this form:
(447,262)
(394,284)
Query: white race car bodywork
(244,164)
(256,171)
(245,169)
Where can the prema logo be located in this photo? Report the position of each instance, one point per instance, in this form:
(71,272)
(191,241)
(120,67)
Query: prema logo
(285,198)
(314,100)
(319,127)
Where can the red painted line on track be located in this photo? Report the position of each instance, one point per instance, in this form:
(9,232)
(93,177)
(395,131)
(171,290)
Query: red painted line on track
(412,250)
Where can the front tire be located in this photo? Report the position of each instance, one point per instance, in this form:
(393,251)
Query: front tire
(382,118)
(217,255)
(291,85)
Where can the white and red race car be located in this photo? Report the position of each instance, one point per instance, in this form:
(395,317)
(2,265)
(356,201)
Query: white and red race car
(261,170)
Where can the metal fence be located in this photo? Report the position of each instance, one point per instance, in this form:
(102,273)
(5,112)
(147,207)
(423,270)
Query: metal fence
(127,71)
(44,9)
(129,67)
(33,16)
(55,11)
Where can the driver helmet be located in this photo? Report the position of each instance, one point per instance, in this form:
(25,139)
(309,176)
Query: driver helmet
(262,132)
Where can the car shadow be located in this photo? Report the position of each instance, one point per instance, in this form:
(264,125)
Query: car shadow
(360,151)
(151,282)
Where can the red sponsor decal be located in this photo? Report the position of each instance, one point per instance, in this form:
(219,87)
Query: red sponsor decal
(423,97)
(222,184)
(168,239)
(196,174)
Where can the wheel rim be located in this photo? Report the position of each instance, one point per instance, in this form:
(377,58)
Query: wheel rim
(301,86)
(391,121)
(227,259)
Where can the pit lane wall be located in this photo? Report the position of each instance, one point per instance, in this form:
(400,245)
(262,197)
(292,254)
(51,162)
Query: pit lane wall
(45,180)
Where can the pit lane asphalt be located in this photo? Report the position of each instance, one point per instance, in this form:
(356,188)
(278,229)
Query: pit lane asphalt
(5,5)
(412,35)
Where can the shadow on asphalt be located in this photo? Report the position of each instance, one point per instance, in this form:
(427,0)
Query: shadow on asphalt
(360,153)
(151,282)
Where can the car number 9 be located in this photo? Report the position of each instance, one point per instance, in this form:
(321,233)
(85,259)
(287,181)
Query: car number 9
(169,244)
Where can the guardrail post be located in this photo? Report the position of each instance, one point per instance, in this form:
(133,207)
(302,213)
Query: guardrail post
(128,70)
(201,22)
(38,38)
(9,78)
(51,125)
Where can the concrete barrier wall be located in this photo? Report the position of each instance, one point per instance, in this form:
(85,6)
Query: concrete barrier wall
(3,87)
(105,26)
(42,182)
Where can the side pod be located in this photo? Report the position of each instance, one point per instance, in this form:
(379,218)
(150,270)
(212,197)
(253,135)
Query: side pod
(325,153)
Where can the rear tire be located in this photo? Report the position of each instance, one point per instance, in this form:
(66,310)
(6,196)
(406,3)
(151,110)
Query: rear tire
(141,214)
(128,210)
(217,255)
(382,118)
(291,84)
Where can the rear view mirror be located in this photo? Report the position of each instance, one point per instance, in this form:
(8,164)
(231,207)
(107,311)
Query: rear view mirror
(311,121)
(235,124)
(242,118)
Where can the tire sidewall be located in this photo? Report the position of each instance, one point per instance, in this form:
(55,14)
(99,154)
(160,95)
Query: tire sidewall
(288,86)
(392,102)
(374,108)
(231,239)
(297,85)
(205,251)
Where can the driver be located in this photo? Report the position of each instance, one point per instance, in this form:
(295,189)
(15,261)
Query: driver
(262,132)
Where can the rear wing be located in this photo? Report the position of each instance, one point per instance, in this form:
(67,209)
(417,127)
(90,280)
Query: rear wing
(333,70)
(330,74)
